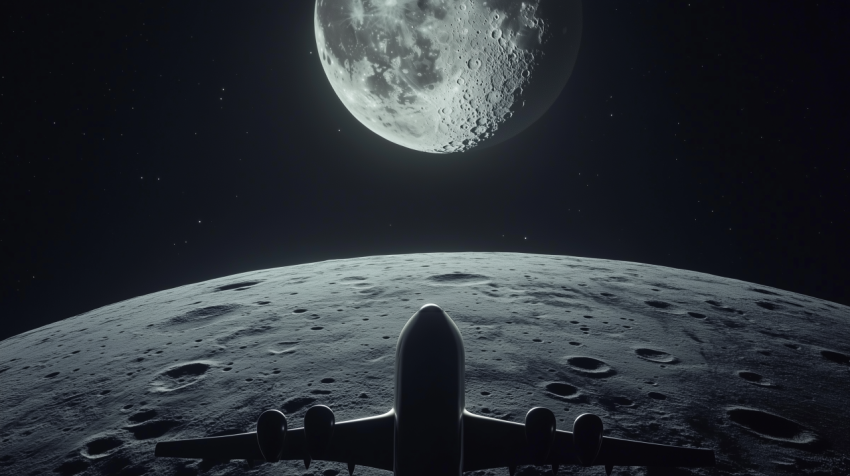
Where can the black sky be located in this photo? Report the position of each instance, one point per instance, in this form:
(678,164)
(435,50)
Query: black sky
(154,144)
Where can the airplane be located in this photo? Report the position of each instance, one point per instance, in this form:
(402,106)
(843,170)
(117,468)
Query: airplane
(428,431)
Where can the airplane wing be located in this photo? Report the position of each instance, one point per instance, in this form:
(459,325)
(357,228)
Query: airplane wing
(241,446)
(619,452)
(365,442)
(491,443)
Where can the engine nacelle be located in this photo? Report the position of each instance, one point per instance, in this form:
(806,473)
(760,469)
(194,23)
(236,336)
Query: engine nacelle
(587,437)
(318,430)
(271,433)
(540,432)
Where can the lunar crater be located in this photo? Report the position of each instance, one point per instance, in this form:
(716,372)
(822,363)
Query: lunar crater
(151,429)
(657,356)
(458,279)
(181,376)
(754,378)
(721,307)
(561,389)
(143,416)
(101,447)
(590,367)
(202,316)
(195,369)
(241,286)
(771,426)
(294,404)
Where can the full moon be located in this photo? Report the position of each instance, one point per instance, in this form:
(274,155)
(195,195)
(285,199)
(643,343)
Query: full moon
(446,76)
(758,374)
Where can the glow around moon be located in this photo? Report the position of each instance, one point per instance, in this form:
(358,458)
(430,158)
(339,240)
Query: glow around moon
(446,76)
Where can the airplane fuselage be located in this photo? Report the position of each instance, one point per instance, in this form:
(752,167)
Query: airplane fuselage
(429,396)
(429,432)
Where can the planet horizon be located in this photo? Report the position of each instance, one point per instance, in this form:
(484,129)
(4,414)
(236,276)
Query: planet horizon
(661,354)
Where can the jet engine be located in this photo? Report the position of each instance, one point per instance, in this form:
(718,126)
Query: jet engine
(271,433)
(540,432)
(587,437)
(318,430)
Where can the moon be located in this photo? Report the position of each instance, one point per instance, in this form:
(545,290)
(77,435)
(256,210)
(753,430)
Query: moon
(444,76)
(662,355)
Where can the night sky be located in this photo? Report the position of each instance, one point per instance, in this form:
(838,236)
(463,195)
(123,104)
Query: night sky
(155,144)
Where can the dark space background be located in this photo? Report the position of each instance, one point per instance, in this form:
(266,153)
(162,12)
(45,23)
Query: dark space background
(147,145)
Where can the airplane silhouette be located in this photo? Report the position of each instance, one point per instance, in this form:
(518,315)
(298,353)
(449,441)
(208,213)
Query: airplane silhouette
(429,431)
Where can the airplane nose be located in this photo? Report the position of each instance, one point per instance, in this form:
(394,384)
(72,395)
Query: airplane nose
(430,308)
(433,314)
(432,320)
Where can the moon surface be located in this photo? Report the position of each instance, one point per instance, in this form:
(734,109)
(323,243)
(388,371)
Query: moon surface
(446,76)
(663,355)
